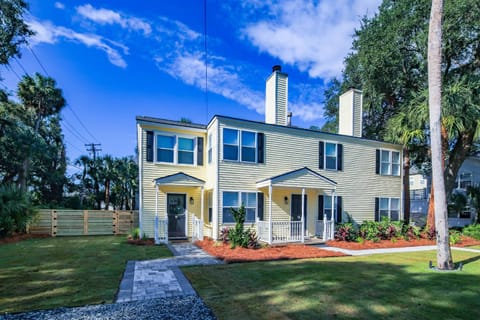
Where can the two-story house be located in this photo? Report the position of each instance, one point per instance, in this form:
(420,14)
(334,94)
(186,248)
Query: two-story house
(294,183)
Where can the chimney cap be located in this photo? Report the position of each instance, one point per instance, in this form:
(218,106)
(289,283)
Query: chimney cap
(277,67)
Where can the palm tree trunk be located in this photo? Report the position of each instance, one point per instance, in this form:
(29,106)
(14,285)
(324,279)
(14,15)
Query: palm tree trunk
(444,255)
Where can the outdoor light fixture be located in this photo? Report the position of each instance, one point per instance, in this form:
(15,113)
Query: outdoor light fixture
(191,200)
(285,199)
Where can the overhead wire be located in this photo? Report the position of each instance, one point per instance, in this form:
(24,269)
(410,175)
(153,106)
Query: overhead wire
(74,132)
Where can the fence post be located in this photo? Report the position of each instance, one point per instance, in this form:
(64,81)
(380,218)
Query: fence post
(54,223)
(85,222)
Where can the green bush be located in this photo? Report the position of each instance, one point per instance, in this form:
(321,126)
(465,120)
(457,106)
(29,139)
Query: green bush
(346,232)
(472,230)
(16,210)
(455,237)
(134,234)
(238,236)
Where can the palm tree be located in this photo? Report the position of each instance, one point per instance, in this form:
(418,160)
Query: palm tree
(444,255)
(42,99)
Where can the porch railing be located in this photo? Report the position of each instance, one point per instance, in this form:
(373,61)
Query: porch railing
(197,228)
(325,229)
(161,230)
(281,231)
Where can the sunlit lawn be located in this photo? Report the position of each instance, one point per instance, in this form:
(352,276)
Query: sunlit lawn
(395,286)
(65,271)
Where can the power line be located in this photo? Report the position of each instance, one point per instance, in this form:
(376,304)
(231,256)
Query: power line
(81,136)
(81,123)
(206,57)
(21,67)
(72,145)
(38,60)
(11,69)
(75,133)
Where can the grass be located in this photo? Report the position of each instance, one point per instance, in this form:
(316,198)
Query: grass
(66,271)
(474,247)
(394,286)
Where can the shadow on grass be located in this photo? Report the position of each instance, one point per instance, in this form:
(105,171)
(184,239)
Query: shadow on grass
(469,260)
(326,289)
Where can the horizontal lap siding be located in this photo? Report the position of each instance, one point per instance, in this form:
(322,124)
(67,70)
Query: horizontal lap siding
(288,150)
(152,170)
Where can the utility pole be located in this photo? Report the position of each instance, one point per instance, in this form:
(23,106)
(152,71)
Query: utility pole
(93,149)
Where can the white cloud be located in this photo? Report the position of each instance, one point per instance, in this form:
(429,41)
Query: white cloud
(46,32)
(109,17)
(313,36)
(59,5)
(306,111)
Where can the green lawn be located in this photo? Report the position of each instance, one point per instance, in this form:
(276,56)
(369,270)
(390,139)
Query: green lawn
(66,271)
(474,247)
(395,286)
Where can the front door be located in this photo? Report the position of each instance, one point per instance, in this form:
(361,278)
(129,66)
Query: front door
(296,209)
(176,207)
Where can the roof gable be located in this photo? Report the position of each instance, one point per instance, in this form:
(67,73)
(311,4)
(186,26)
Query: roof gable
(179,179)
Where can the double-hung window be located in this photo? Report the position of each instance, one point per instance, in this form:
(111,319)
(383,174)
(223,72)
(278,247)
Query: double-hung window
(209,148)
(243,146)
(330,156)
(327,207)
(233,199)
(176,149)
(388,208)
(388,162)
(464,180)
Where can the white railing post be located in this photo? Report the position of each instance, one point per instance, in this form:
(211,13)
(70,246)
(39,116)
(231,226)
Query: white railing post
(156,217)
(270,231)
(324,227)
(302,226)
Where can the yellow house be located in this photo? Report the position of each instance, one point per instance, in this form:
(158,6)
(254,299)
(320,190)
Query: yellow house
(295,183)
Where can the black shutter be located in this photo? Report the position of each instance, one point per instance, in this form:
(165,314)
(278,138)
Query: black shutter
(260,147)
(320,207)
(321,155)
(200,151)
(377,211)
(149,146)
(339,157)
(377,162)
(260,205)
(339,209)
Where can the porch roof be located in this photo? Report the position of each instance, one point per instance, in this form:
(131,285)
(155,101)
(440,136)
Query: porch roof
(300,178)
(179,179)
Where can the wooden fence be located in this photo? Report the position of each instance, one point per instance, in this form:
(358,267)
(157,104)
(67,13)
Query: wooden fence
(83,222)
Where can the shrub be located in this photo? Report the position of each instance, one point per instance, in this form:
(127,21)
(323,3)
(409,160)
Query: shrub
(346,232)
(410,232)
(430,233)
(455,237)
(224,235)
(472,230)
(238,236)
(16,210)
(134,234)
(369,231)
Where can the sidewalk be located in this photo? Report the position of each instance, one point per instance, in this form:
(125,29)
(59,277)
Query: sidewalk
(388,250)
(162,278)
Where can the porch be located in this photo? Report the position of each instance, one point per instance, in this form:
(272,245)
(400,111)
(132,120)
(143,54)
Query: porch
(290,196)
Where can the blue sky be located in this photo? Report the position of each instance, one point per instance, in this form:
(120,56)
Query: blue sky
(118,59)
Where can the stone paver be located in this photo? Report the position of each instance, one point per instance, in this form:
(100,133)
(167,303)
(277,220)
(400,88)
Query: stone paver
(161,278)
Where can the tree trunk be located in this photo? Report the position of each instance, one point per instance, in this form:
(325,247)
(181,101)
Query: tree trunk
(107,194)
(406,186)
(444,255)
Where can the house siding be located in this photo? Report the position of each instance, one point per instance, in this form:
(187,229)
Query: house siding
(288,150)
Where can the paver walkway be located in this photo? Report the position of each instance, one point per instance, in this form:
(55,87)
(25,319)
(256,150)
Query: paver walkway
(161,278)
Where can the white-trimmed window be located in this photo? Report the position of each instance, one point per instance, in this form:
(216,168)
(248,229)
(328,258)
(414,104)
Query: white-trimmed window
(234,199)
(464,180)
(330,156)
(239,145)
(388,208)
(389,162)
(209,148)
(176,149)
(327,206)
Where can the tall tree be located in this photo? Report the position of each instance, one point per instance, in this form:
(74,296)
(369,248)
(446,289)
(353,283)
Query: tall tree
(41,99)
(13,29)
(444,255)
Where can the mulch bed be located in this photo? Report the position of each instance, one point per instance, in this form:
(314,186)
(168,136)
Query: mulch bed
(287,252)
(21,236)
(142,242)
(400,243)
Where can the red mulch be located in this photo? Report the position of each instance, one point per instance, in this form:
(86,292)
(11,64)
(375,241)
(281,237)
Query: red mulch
(400,243)
(22,236)
(223,251)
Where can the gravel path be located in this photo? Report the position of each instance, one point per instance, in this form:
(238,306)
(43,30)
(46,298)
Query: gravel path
(191,307)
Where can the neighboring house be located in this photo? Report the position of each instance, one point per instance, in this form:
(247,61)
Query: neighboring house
(468,175)
(286,177)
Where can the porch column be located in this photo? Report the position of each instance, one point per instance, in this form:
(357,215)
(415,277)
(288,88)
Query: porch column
(156,215)
(202,212)
(270,214)
(302,226)
(332,234)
